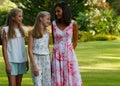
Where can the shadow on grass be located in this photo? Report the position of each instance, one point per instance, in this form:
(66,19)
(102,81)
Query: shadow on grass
(94,77)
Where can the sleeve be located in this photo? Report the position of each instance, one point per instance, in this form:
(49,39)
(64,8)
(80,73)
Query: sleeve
(25,29)
(4,29)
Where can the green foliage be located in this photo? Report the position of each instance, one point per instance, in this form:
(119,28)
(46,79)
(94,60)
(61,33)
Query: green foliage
(98,62)
(103,37)
(84,36)
(82,21)
(98,18)
(32,7)
(4,8)
(115,4)
(3,16)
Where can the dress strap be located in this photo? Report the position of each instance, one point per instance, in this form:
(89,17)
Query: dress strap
(53,22)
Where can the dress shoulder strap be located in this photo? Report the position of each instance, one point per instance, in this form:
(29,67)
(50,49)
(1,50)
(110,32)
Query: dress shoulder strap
(53,22)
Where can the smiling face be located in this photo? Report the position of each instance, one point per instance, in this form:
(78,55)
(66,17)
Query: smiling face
(45,20)
(18,18)
(58,12)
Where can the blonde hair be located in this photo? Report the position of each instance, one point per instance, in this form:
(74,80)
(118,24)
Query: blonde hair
(10,23)
(37,30)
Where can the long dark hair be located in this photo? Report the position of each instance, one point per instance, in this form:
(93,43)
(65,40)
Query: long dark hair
(66,16)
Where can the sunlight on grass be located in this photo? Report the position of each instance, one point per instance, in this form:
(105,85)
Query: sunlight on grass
(105,57)
(102,66)
(99,63)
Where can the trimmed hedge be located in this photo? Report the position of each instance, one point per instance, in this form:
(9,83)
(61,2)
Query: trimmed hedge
(84,36)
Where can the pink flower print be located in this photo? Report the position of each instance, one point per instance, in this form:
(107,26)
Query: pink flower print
(57,84)
(61,72)
(70,67)
(73,73)
(60,57)
(54,29)
(70,48)
(55,49)
(58,38)
(69,32)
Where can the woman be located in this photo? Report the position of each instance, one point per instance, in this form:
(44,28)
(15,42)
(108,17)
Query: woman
(65,70)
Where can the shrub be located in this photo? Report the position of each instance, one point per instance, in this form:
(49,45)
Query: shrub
(84,36)
(103,37)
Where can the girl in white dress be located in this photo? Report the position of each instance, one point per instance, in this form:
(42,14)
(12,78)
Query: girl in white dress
(13,47)
(38,49)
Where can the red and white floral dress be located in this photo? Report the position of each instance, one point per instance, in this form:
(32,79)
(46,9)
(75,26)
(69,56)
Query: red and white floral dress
(65,70)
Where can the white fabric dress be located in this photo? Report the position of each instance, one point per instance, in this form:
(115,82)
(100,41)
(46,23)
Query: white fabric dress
(65,70)
(42,60)
(16,47)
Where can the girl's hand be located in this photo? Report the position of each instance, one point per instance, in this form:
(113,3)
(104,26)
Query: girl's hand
(27,65)
(36,71)
(8,69)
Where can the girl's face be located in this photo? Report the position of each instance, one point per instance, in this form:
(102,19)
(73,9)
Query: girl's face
(18,18)
(58,12)
(45,21)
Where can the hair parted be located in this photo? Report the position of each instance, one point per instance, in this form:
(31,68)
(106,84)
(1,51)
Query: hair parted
(38,30)
(10,23)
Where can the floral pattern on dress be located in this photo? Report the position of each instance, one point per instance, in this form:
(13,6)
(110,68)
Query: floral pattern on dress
(43,64)
(64,69)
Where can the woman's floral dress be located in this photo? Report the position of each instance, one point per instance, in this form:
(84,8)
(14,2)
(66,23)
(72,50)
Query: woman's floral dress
(65,70)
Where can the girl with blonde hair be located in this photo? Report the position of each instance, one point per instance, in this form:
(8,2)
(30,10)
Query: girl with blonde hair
(39,51)
(13,47)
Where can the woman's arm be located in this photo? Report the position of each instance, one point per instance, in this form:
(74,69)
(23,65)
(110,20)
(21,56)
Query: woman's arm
(30,52)
(75,34)
(4,51)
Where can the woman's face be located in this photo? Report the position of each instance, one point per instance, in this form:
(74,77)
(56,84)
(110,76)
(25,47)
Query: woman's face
(58,12)
(18,18)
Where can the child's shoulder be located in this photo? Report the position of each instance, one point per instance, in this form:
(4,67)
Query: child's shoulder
(5,28)
(24,28)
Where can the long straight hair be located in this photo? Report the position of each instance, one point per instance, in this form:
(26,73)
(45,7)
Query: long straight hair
(66,15)
(10,23)
(38,30)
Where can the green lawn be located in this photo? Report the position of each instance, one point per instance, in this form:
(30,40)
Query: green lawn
(99,63)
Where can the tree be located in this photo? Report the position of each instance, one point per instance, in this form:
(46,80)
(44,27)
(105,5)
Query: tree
(4,8)
(32,7)
(98,17)
(115,4)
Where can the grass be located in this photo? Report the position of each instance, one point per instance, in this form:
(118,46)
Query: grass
(99,63)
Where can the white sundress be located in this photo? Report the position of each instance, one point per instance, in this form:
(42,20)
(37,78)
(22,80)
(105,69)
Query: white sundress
(42,60)
(65,70)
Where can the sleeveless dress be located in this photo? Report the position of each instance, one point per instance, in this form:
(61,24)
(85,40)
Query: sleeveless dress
(64,69)
(42,60)
(16,46)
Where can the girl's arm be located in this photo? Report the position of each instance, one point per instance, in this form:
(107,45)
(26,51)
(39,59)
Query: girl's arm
(75,34)
(30,52)
(4,51)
